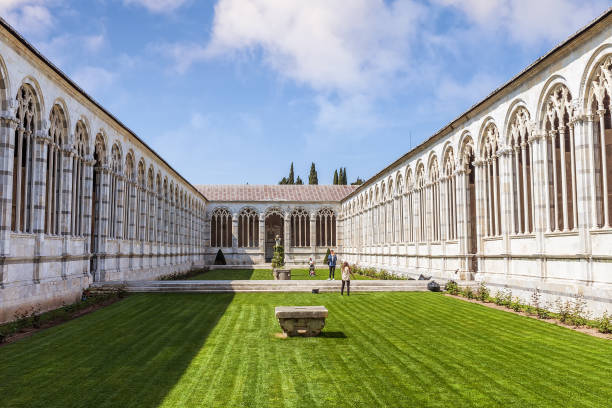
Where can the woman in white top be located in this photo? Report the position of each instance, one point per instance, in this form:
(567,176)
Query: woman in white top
(346,278)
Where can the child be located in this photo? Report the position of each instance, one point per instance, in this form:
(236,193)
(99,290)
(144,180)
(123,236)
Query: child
(311,267)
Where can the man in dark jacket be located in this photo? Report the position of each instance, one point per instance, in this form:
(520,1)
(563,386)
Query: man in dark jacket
(331,261)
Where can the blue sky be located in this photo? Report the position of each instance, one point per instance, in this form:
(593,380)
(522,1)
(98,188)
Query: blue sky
(232,91)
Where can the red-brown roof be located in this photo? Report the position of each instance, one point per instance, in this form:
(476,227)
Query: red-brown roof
(247,192)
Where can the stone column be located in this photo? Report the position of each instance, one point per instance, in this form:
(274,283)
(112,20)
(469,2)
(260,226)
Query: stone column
(101,219)
(287,231)
(234,231)
(584,181)
(313,235)
(262,236)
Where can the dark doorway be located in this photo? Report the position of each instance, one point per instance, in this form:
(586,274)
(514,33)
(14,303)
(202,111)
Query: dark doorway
(274,226)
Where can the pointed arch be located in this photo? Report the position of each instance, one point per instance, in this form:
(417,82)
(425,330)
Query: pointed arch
(489,155)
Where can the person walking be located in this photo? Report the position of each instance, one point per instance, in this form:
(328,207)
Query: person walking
(331,262)
(311,267)
(347,272)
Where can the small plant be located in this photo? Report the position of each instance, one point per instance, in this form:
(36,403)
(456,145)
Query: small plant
(564,310)
(604,323)
(516,305)
(503,297)
(278,259)
(483,292)
(469,293)
(327,254)
(537,306)
(578,312)
(452,287)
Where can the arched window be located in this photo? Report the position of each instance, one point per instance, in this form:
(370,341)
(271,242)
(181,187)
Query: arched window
(128,202)
(140,215)
(221,228)
(300,228)
(398,227)
(450,192)
(326,227)
(434,189)
(410,217)
(522,193)
(560,170)
(150,195)
(491,187)
(159,199)
(248,228)
(23,164)
(115,215)
(166,212)
(600,101)
(421,204)
(81,143)
(171,212)
(98,199)
(58,130)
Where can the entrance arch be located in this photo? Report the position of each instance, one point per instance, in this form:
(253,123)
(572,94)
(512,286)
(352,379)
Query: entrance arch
(274,225)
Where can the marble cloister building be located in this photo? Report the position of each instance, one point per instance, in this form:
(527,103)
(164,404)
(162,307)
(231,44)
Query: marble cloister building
(516,192)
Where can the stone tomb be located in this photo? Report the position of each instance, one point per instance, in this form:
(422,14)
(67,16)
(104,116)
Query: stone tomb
(307,321)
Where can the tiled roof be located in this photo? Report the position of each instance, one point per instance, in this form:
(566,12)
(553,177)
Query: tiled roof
(247,192)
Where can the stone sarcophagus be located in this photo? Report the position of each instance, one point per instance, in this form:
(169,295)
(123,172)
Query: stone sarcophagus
(307,321)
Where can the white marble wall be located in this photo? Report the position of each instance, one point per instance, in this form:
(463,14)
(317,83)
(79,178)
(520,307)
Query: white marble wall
(561,259)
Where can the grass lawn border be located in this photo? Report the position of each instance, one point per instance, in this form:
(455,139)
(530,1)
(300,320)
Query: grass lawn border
(29,330)
(591,331)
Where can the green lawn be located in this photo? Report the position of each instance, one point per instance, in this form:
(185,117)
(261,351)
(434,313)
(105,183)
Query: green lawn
(378,349)
(264,274)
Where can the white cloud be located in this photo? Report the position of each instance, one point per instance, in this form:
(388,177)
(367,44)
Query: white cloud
(158,6)
(93,79)
(343,45)
(530,21)
(30,17)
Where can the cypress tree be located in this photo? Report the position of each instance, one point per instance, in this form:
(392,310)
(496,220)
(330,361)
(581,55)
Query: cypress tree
(313,178)
(336,176)
(291,179)
(344,178)
(299,181)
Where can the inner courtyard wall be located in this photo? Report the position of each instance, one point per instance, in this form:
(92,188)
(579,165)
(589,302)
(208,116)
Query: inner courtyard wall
(64,228)
(296,256)
(488,197)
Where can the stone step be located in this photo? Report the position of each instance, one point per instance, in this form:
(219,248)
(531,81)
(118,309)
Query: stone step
(231,286)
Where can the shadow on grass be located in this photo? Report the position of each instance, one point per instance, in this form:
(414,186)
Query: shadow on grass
(332,335)
(132,353)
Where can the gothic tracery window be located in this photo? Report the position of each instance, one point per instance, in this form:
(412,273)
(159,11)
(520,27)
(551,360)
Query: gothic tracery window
(114,219)
(434,199)
(600,105)
(521,191)
(128,198)
(221,228)
(491,185)
(55,170)
(326,227)
(560,170)
(300,228)
(248,228)
(450,193)
(81,143)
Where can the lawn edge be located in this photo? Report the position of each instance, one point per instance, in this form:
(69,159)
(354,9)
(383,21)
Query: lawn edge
(591,331)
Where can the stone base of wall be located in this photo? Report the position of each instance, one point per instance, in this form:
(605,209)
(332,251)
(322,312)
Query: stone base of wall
(26,296)
(598,295)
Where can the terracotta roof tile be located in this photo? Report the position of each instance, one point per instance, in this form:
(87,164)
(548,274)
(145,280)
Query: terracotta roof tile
(293,193)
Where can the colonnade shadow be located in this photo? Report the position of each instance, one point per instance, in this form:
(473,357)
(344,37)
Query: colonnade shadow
(132,353)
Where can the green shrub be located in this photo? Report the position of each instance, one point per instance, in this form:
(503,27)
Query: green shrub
(604,323)
(564,310)
(516,305)
(482,293)
(469,293)
(578,312)
(278,259)
(327,254)
(452,287)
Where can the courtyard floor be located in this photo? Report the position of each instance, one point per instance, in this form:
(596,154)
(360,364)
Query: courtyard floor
(377,349)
